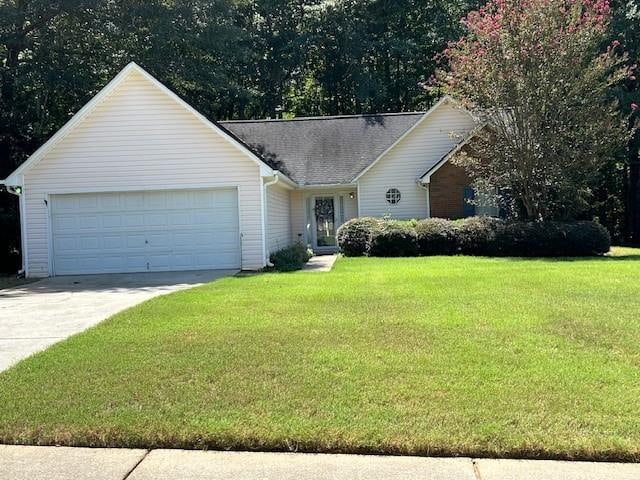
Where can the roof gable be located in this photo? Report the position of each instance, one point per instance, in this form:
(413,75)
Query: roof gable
(446,100)
(15,177)
(426,176)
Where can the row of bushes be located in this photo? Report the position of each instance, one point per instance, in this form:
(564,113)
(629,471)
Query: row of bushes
(471,236)
(290,258)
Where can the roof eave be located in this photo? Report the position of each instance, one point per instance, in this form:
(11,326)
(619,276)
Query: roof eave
(310,186)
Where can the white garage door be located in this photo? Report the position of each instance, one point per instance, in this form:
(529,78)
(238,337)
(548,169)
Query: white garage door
(145,231)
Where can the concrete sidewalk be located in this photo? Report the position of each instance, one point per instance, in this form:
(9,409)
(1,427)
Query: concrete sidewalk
(58,463)
(320,263)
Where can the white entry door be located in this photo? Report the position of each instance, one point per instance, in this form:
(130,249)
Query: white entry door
(145,231)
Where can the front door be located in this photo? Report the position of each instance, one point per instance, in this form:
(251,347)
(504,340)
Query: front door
(325,223)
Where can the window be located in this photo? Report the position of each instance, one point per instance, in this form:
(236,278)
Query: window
(393,196)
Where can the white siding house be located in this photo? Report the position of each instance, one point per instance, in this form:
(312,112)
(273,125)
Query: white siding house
(401,166)
(137,138)
(139,181)
(278,221)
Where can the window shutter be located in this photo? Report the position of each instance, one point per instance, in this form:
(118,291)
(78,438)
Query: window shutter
(469,209)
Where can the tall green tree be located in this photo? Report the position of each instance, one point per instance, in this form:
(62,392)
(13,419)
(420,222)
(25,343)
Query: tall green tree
(372,55)
(617,192)
(533,70)
(625,28)
(279,45)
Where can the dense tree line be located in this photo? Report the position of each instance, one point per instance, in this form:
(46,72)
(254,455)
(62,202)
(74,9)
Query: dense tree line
(240,59)
(228,58)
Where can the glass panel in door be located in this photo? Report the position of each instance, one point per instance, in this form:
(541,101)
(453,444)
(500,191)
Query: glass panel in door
(325,222)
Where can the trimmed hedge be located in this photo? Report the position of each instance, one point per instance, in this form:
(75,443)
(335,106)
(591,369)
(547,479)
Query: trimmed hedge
(554,239)
(354,236)
(290,258)
(472,236)
(436,236)
(393,239)
(479,236)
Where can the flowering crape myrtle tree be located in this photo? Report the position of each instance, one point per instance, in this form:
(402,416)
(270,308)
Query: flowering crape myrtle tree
(535,73)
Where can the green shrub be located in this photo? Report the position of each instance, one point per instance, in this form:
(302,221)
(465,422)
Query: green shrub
(436,236)
(394,239)
(354,236)
(477,235)
(290,258)
(472,236)
(588,238)
(553,239)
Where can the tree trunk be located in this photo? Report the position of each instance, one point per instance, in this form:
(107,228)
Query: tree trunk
(634,190)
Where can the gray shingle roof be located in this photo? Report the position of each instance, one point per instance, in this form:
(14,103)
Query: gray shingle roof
(322,150)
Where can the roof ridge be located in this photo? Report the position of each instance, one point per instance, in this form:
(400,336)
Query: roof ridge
(325,117)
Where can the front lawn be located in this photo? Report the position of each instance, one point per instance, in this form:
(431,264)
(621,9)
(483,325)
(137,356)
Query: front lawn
(441,355)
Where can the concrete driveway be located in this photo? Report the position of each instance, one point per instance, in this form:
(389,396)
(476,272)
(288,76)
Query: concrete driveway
(36,315)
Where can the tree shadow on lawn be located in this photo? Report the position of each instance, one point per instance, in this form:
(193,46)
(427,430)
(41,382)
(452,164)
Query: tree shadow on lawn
(598,258)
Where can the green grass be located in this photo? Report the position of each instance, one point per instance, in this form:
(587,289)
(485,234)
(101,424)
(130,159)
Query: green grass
(439,356)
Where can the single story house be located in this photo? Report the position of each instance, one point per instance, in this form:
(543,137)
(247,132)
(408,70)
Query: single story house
(140,181)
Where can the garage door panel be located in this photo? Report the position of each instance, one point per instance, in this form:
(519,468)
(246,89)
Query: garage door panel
(155,220)
(145,231)
(111,221)
(132,219)
(109,202)
(63,222)
(89,222)
(114,242)
(179,219)
(223,202)
(155,200)
(66,203)
(136,241)
(89,243)
(88,203)
(65,244)
(132,200)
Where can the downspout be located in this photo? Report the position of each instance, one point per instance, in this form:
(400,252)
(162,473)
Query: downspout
(425,187)
(264,216)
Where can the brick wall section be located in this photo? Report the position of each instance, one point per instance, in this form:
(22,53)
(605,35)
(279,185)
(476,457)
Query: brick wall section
(446,191)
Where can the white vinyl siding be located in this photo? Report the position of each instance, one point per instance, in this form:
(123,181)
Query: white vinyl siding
(298,216)
(138,138)
(278,218)
(407,161)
